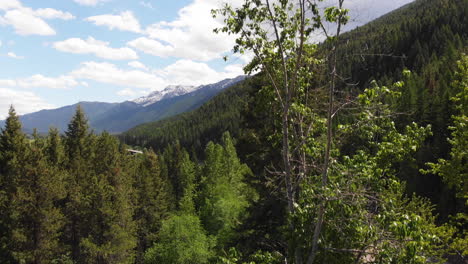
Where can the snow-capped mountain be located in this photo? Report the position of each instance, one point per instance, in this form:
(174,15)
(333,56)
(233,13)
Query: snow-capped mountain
(178,90)
(119,117)
(169,92)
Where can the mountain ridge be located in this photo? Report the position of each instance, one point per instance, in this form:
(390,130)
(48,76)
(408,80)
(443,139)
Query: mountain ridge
(119,117)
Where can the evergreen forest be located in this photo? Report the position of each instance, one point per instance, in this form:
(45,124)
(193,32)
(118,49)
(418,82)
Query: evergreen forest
(353,150)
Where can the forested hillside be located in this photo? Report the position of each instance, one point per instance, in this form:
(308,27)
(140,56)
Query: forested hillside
(351,151)
(425,37)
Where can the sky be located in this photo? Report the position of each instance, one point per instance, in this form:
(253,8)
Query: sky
(59,52)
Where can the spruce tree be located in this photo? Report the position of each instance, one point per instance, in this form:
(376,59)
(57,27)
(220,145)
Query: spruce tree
(13,148)
(78,153)
(37,221)
(109,235)
(153,199)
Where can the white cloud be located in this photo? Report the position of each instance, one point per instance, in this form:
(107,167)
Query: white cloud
(153,47)
(90,2)
(14,56)
(27,21)
(110,74)
(50,13)
(127,93)
(125,21)
(38,80)
(146,4)
(9,4)
(8,83)
(190,36)
(24,102)
(92,46)
(186,72)
(1,43)
(137,65)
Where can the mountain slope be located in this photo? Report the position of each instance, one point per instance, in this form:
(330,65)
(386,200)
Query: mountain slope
(198,127)
(426,37)
(378,50)
(118,117)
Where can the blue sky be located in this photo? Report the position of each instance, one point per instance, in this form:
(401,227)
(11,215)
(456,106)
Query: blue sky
(59,52)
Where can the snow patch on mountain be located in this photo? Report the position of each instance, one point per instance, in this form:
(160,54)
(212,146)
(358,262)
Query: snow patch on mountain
(169,92)
(178,90)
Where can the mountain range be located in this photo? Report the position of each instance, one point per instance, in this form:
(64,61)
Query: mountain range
(119,117)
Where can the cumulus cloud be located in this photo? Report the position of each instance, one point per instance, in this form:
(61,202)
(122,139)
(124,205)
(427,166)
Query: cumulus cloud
(153,47)
(125,21)
(11,4)
(38,80)
(23,101)
(92,46)
(137,65)
(110,74)
(187,72)
(190,36)
(14,56)
(90,2)
(184,72)
(27,21)
(50,13)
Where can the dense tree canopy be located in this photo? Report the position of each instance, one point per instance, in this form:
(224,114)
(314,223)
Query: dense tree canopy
(293,165)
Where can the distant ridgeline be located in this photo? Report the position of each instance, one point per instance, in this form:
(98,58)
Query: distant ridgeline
(427,37)
(119,117)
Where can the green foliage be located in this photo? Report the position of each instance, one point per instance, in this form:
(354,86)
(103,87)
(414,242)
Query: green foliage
(153,200)
(455,171)
(224,196)
(182,240)
(197,128)
(368,216)
(13,151)
(37,222)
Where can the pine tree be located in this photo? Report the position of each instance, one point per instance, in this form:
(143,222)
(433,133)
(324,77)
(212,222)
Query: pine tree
(13,149)
(182,238)
(78,153)
(37,221)
(108,210)
(153,200)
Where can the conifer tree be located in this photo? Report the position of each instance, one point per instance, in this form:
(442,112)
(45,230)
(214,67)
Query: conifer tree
(153,200)
(78,153)
(224,195)
(13,148)
(37,221)
(182,238)
(108,211)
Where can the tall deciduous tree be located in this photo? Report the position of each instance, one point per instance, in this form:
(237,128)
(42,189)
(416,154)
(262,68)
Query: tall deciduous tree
(224,196)
(318,168)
